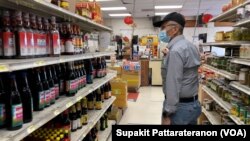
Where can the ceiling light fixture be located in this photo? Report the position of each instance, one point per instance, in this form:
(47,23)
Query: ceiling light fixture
(161,13)
(169,7)
(113,8)
(120,15)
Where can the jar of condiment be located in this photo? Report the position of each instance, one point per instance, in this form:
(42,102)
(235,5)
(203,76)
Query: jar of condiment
(243,76)
(247,11)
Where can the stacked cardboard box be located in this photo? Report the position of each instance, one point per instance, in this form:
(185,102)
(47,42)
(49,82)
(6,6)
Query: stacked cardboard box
(119,90)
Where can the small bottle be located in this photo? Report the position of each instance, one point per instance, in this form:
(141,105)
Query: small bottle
(55,39)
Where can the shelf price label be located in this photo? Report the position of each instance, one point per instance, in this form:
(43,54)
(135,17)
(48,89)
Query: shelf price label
(69,104)
(4,68)
(31,129)
(39,63)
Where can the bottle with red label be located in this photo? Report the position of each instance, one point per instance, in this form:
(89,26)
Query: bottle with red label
(40,36)
(8,40)
(56,81)
(62,38)
(38,93)
(26,97)
(69,41)
(77,76)
(51,85)
(99,68)
(83,73)
(14,107)
(35,34)
(46,88)
(55,39)
(47,36)
(20,37)
(29,34)
(89,71)
(94,66)
(62,77)
(70,80)
(2,105)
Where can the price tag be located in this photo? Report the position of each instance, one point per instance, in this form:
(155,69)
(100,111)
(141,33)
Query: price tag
(4,68)
(39,63)
(31,129)
(56,112)
(79,98)
(69,104)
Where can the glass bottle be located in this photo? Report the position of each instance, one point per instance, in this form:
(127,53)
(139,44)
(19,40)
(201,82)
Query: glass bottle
(46,88)
(89,71)
(73,118)
(69,46)
(99,69)
(70,80)
(84,117)
(51,85)
(79,114)
(35,34)
(98,99)
(29,35)
(2,105)
(56,81)
(55,39)
(47,36)
(62,75)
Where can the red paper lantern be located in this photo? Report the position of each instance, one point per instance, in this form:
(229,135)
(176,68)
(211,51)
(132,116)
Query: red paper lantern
(128,20)
(206,18)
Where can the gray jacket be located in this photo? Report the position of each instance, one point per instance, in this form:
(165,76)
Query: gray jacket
(179,72)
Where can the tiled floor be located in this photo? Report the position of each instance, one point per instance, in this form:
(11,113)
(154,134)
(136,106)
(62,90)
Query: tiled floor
(147,109)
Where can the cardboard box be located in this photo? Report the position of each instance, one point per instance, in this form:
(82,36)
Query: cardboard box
(133,78)
(119,90)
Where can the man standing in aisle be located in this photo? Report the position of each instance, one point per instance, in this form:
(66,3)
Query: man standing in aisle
(179,73)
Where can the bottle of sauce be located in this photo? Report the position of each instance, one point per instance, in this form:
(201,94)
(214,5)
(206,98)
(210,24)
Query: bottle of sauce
(104,64)
(75,39)
(35,34)
(46,88)
(62,38)
(84,74)
(99,69)
(20,37)
(79,114)
(70,80)
(29,35)
(55,39)
(102,93)
(9,48)
(41,33)
(73,118)
(26,97)
(2,104)
(51,85)
(90,103)
(106,91)
(69,45)
(56,81)
(110,90)
(37,90)
(84,117)
(65,121)
(61,72)
(78,75)
(47,36)
(94,66)
(98,99)
(89,71)
(14,107)
(102,120)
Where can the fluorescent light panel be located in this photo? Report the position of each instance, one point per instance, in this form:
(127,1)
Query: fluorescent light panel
(161,13)
(168,7)
(113,8)
(120,15)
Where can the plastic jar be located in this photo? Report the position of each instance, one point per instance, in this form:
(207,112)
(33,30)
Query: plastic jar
(243,76)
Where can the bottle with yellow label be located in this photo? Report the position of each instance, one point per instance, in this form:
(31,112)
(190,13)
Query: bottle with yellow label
(84,117)
(90,101)
(98,104)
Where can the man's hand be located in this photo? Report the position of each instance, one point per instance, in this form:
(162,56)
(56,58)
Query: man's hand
(165,51)
(166,121)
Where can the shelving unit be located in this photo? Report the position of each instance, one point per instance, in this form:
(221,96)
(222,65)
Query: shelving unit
(236,120)
(42,117)
(223,73)
(226,44)
(213,117)
(8,65)
(104,135)
(241,61)
(243,23)
(94,117)
(240,87)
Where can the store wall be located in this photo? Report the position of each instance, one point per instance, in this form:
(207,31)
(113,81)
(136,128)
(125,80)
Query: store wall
(145,27)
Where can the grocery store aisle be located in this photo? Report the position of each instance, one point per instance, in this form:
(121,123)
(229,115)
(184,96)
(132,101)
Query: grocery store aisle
(147,109)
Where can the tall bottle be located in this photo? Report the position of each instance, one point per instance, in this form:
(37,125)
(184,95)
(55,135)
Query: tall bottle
(102,120)
(26,97)
(94,66)
(55,39)
(65,120)
(84,79)
(104,64)
(110,90)
(73,118)
(35,34)
(90,103)
(84,117)
(70,80)
(106,91)
(29,35)
(20,37)
(2,104)
(103,93)
(89,71)
(42,37)
(37,90)
(98,104)
(79,114)
(51,85)
(9,48)
(62,33)
(46,87)
(56,81)
(99,68)
(14,107)
(62,76)
(69,45)
(78,76)
(47,36)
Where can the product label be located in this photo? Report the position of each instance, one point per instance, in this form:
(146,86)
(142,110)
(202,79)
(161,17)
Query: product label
(61,85)
(56,44)
(79,123)
(98,105)
(69,47)
(30,43)
(99,73)
(36,48)
(84,119)
(52,93)
(90,78)
(56,88)
(9,44)
(42,99)
(70,86)
(90,105)
(47,97)
(17,115)
(74,124)
(43,44)
(23,43)
(84,80)
(2,114)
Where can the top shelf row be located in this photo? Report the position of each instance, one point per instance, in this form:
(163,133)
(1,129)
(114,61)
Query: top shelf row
(43,7)
(230,15)
(9,65)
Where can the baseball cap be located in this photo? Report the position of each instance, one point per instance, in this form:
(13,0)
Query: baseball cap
(174,16)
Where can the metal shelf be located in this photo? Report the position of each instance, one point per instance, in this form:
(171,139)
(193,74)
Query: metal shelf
(8,65)
(225,105)
(212,116)
(221,72)
(241,61)
(240,87)
(94,117)
(104,135)
(229,15)
(226,44)
(243,23)
(44,7)
(42,117)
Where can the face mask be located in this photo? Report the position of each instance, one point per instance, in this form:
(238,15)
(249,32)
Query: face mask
(164,37)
